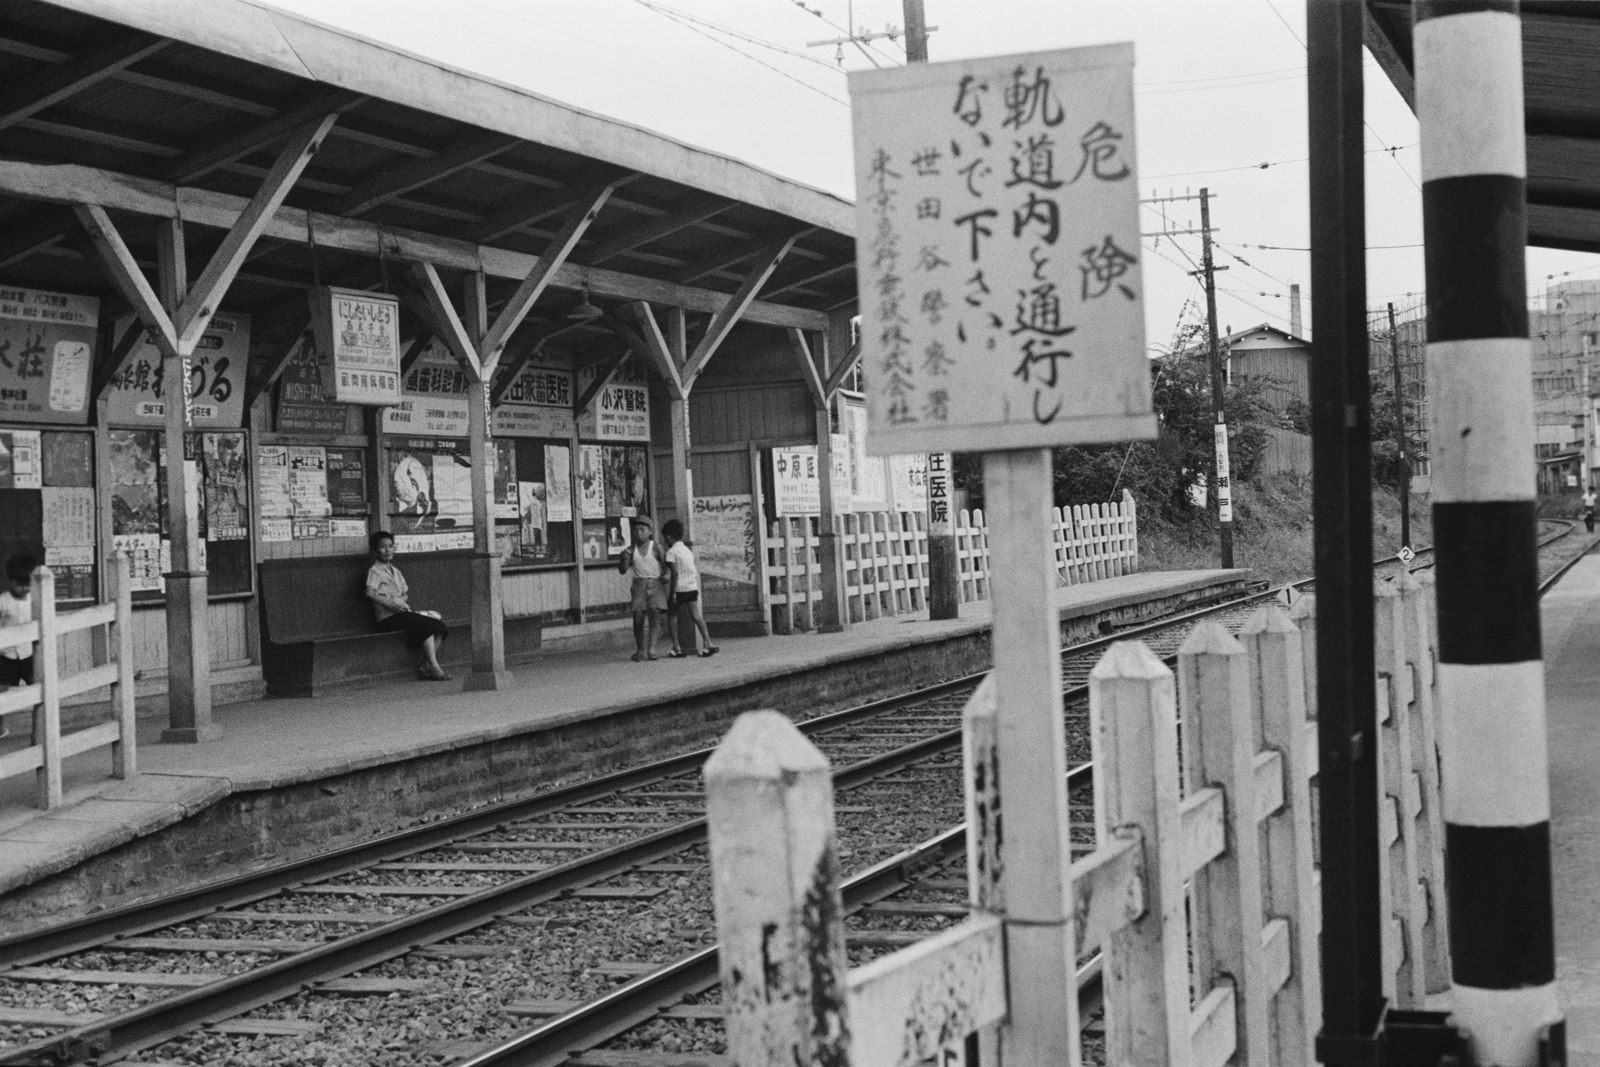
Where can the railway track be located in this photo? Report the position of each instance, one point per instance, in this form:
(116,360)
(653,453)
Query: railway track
(261,960)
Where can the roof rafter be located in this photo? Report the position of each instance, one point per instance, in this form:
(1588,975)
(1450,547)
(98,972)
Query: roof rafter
(33,95)
(390,182)
(683,217)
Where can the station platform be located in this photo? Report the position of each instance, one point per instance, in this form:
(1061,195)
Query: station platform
(293,776)
(1570,614)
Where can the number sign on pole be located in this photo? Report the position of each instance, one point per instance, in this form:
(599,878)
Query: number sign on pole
(1002,297)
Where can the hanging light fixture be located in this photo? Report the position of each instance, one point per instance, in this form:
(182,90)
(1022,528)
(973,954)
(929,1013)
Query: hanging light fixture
(583,310)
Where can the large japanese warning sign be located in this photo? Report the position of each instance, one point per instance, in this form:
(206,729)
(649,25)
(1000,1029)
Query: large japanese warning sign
(997,249)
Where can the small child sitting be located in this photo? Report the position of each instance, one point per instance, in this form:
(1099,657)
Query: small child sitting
(16,609)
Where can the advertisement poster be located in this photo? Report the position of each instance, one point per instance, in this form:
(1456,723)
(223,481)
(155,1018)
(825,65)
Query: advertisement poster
(277,529)
(144,560)
(360,332)
(869,490)
(592,481)
(46,350)
(302,405)
(68,459)
(216,377)
(135,492)
(622,410)
(535,522)
(434,397)
(411,486)
(347,481)
(347,528)
(594,541)
(537,403)
(308,482)
(506,500)
(796,486)
(452,492)
(558,483)
(68,518)
(725,537)
(625,480)
(908,480)
(227,490)
(272,484)
(21,459)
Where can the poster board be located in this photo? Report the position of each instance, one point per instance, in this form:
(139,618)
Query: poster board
(224,517)
(47,343)
(48,508)
(217,373)
(997,199)
(725,548)
(795,481)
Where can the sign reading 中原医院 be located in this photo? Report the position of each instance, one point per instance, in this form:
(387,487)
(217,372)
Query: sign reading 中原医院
(998,253)
(358,333)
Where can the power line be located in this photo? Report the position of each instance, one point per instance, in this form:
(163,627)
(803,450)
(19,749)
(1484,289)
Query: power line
(669,14)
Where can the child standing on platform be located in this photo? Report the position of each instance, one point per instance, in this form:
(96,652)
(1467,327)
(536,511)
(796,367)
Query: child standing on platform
(649,596)
(683,595)
(16,608)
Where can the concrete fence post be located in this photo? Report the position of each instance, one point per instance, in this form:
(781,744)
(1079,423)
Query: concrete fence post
(775,888)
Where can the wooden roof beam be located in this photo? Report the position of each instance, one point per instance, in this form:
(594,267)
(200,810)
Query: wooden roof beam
(206,295)
(118,264)
(27,98)
(726,257)
(590,201)
(652,344)
(74,184)
(219,150)
(842,371)
(543,203)
(390,182)
(443,318)
(790,283)
(696,212)
(809,370)
(767,260)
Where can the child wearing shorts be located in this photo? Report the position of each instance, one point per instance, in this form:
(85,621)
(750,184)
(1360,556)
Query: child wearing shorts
(684,594)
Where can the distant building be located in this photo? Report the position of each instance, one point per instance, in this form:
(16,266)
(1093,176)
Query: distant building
(1565,335)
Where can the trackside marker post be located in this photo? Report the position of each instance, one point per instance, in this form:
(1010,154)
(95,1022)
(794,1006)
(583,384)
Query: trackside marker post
(1001,312)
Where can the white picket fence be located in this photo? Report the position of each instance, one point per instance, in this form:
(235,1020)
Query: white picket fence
(114,649)
(884,559)
(1202,894)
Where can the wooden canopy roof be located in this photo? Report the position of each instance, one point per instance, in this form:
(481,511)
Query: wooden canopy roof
(178,109)
(1561,93)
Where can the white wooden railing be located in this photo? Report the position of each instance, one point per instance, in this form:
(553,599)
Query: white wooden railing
(48,746)
(884,559)
(1202,893)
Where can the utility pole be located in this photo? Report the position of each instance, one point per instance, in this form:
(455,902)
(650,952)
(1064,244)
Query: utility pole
(1221,484)
(1400,434)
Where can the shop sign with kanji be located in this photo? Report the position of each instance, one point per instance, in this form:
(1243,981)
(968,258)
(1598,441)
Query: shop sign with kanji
(359,334)
(217,370)
(46,349)
(998,253)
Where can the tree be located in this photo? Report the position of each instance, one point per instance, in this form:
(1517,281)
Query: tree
(1159,473)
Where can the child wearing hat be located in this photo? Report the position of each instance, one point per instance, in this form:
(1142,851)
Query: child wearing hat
(651,580)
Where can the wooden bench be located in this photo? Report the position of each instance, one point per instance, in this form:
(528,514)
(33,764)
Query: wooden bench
(317,623)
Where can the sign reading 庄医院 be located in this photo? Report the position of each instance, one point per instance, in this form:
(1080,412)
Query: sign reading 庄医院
(998,253)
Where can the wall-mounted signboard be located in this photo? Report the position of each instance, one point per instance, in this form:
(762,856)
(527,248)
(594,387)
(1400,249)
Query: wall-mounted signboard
(622,410)
(46,349)
(358,334)
(217,370)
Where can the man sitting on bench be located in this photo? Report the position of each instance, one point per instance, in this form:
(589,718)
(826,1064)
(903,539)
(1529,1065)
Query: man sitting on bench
(386,588)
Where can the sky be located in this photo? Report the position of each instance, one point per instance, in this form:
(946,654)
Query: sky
(1220,104)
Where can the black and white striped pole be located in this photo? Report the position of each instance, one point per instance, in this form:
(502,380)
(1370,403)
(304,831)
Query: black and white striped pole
(1468,63)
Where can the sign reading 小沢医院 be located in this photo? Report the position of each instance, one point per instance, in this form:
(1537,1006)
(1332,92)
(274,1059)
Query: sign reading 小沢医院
(998,253)
(358,333)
